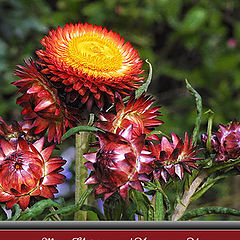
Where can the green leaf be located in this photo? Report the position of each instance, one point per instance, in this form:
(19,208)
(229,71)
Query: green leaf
(70,209)
(199,110)
(95,210)
(159,204)
(143,88)
(38,209)
(77,129)
(208,184)
(209,210)
(16,211)
(130,212)
(3,215)
(224,165)
(143,204)
(159,208)
(113,207)
(193,20)
(158,132)
(209,129)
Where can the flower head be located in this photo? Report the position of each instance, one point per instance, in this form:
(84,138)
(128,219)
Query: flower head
(17,129)
(26,170)
(91,61)
(41,103)
(137,112)
(227,144)
(119,163)
(172,158)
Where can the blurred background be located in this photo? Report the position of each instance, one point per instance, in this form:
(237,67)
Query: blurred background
(183,39)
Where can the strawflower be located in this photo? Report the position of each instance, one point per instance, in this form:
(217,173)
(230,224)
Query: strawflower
(91,63)
(226,142)
(27,171)
(173,158)
(41,103)
(120,163)
(137,112)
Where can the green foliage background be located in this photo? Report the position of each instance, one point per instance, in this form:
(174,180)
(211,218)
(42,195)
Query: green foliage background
(181,38)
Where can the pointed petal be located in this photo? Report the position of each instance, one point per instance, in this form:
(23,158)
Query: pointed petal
(166,146)
(123,191)
(138,143)
(24,201)
(7,148)
(46,153)
(42,105)
(179,171)
(127,133)
(91,157)
(136,185)
(92,180)
(39,144)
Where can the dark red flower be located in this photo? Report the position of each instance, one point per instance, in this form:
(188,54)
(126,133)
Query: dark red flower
(137,112)
(27,170)
(91,63)
(119,163)
(173,158)
(18,129)
(229,142)
(214,141)
(41,103)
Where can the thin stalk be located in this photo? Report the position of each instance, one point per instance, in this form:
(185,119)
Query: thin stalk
(186,198)
(82,147)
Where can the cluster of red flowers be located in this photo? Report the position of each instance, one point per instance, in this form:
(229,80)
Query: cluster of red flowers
(127,155)
(84,68)
(80,68)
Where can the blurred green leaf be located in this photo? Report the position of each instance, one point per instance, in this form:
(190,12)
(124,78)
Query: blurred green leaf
(193,20)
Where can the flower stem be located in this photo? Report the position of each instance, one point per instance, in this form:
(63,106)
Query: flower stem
(82,147)
(186,198)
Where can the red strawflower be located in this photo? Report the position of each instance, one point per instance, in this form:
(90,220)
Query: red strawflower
(41,103)
(214,141)
(17,129)
(137,112)
(91,63)
(119,163)
(172,158)
(229,142)
(26,170)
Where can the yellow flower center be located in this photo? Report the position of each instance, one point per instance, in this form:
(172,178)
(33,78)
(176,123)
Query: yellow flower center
(94,54)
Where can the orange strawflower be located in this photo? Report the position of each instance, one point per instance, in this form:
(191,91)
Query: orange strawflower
(92,63)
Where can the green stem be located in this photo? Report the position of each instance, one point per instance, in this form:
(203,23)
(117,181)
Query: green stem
(209,210)
(82,147)
(186,198)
